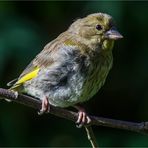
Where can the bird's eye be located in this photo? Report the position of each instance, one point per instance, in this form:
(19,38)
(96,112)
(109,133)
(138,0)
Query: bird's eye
(98,27)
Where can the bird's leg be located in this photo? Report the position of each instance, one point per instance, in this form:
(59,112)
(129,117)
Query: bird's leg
(83,118)
(45,106)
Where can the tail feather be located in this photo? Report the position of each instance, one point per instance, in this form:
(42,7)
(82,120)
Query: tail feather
(11,83)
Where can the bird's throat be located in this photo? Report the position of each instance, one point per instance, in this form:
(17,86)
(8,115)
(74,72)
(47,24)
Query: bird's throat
(107,44)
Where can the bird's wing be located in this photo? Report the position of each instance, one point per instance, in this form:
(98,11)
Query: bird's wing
(51,54)
(42,60)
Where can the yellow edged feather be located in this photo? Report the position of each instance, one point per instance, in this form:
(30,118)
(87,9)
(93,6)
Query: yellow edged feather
(25,78)
(28,76)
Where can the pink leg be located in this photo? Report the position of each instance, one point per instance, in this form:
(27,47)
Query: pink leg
(45,106)
(83,118)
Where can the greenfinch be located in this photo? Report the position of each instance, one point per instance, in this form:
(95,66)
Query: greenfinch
(73,67)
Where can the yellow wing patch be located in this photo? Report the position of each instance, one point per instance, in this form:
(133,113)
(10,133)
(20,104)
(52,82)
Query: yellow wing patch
(28,76)
(25,78)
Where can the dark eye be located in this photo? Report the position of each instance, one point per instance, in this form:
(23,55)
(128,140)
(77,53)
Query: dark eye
(98,27)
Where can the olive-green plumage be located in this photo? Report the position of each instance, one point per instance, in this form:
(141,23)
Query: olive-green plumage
(74,66)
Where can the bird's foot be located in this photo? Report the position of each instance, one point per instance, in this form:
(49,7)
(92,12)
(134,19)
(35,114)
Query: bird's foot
(45,106)
(83,118)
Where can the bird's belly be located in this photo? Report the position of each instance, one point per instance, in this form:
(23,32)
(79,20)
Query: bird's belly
(83,88)
(58,95)
(79,89)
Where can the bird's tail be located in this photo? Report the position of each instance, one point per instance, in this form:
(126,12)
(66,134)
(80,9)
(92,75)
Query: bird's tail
(11,83)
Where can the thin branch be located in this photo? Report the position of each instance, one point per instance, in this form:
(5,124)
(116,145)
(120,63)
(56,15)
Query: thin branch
(141,127)
(91,136)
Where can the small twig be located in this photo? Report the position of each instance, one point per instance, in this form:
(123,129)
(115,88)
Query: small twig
(91,136)
(141,127)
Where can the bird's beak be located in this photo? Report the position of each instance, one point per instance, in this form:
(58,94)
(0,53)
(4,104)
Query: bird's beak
(113,34)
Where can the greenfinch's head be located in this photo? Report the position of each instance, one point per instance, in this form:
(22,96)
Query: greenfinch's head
(98,26)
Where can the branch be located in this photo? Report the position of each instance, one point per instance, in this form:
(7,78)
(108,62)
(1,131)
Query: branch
(141,127)
(91,137)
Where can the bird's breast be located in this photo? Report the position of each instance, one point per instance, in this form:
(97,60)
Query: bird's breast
(97,75)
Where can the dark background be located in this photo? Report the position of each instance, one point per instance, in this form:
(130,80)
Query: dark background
(25,27)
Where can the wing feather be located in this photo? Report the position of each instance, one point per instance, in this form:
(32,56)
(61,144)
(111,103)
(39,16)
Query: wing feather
(48,56)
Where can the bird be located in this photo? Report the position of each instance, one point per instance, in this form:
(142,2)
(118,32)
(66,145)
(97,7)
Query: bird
(73,67)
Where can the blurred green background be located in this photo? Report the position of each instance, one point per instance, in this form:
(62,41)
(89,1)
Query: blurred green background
(25,27)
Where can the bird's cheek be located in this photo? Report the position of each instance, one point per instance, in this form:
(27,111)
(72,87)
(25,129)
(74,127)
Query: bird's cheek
(86,33)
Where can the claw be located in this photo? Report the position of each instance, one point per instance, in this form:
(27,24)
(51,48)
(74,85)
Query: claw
(83,118)
(16,94)
(45,106)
